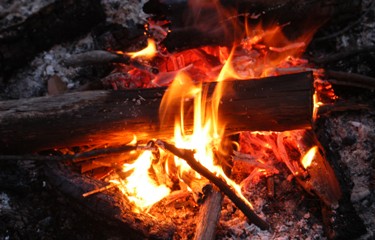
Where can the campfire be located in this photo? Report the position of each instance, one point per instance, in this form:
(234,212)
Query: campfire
(214,130)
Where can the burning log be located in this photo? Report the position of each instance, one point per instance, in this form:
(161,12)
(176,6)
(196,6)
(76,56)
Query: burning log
(112,117)
(188,156)
(60,21)
(209,214)
(109,207)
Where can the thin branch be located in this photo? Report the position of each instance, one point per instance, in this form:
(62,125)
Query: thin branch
(188,156)
(101,57)
(350,79)
(79,156)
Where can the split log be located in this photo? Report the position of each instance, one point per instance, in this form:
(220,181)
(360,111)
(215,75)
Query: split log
(60,21)
(112,117)
(200,19)
(209,214)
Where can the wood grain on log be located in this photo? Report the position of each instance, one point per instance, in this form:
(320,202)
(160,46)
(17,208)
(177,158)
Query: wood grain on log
(209,214)
(105,117)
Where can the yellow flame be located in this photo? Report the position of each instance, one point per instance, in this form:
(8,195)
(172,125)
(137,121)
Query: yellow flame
(149,52)
(207,131)
(309,157)
(139,187)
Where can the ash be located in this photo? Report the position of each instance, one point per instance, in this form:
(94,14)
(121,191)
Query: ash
(350,139)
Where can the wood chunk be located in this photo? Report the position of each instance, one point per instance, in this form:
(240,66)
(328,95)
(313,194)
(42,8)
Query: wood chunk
(209,215)
(113,117)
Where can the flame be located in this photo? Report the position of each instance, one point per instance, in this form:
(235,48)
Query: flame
(207,131)
(149,52)
(261,53)
(139,187)
(309,157)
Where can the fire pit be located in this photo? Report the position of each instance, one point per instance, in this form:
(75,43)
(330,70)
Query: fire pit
(230,136)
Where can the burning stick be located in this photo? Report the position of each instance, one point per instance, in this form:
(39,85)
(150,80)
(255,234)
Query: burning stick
(101,56)
(102,189)
(209,215)
(188,156)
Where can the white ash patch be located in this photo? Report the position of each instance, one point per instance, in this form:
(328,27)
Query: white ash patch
(125,12)
(31,81)
(15,11)
(365,29)
(4,202)
(355,137)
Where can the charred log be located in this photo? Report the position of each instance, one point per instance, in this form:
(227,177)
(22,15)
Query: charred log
(110,207)
(105,117)
(60,21)
(199,19)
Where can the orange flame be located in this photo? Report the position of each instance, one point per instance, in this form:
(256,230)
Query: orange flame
(149,52)
(261,53)
(309,157)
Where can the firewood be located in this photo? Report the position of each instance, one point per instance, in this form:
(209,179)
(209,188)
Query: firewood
(113,117)
(209,215)
(60,21)
(188,156)
(109,207)
(200,19)
(350,79)
(102,57)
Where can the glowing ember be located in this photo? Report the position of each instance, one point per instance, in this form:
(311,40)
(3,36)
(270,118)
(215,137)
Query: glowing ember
(261,53)
(309,157)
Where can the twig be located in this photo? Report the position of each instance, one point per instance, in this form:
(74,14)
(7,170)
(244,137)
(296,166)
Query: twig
(188,156)
(102,151)
(350,79)
(102,189)
(101,56)
(344,54)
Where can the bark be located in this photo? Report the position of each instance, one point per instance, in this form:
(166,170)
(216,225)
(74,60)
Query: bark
(60,21)
(112,117)
(209,215)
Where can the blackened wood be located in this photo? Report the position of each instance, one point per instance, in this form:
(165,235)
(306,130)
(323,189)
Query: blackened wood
(350,79)
(112,117)
(209,215)
(188,156)
(60,21)
(199,23)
